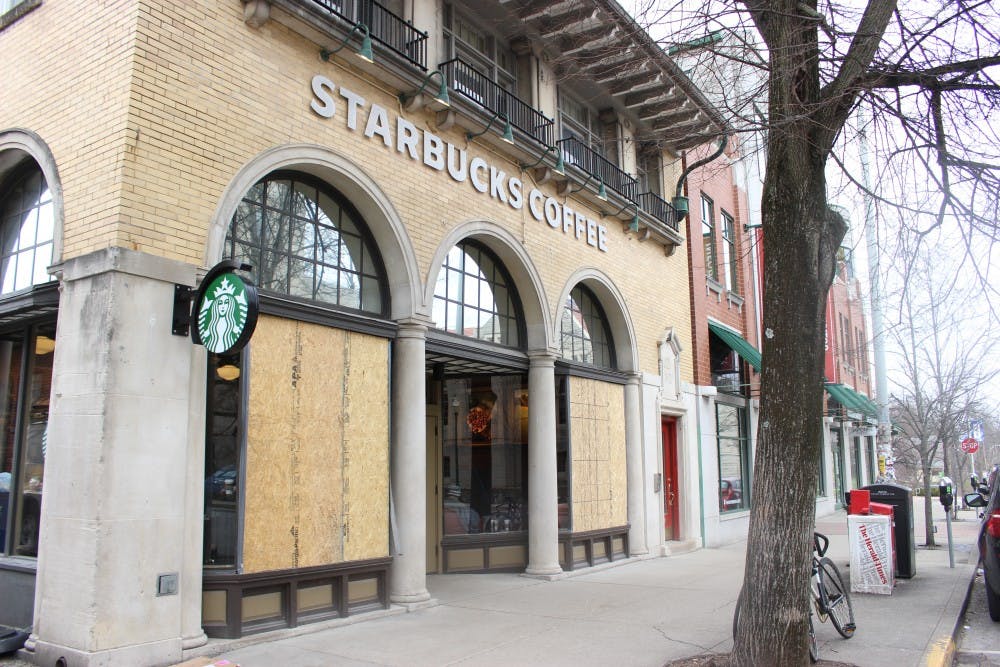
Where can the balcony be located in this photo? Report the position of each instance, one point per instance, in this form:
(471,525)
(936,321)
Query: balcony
(463,78)
(384,27)
(652,203)
(577,153)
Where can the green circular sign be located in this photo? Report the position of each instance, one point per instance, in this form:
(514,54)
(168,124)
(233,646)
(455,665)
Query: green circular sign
(227,313)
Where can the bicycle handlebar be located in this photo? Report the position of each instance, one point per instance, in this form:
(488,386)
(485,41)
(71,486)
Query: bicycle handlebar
(820,543)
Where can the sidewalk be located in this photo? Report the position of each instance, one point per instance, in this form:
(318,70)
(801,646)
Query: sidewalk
(643,612)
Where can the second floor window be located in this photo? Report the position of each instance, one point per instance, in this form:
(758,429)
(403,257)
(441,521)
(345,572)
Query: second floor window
(483,51)
(729,257)
(708,238)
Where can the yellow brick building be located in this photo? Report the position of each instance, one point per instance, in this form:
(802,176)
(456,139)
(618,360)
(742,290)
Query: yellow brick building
(472,314)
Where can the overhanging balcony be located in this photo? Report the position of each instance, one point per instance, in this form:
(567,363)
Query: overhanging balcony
(384,27)
(466,80)
(577,153)
(652,203)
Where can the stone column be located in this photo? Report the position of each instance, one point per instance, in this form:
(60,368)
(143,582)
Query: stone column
(543,509)
(634,467)
(408,573)
(120,510)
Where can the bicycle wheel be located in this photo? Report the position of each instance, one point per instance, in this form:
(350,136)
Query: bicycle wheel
(835,598)
(814,597)
(813,644)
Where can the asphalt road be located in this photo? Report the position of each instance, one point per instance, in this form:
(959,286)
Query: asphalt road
(979,643)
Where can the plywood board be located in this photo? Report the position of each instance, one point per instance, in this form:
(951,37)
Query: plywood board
(317,447)
(597,431)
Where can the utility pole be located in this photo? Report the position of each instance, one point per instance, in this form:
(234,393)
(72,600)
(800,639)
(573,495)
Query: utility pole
(883,437)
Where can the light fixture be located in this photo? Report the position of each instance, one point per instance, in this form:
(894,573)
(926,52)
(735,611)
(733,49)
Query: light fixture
(680,204)
(228,371)
(602,192)
(44,345)
(508,132)
(364,52)
(560,167)
(633,224)
(441,100)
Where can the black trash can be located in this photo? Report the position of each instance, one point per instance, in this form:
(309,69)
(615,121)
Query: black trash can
(901,499)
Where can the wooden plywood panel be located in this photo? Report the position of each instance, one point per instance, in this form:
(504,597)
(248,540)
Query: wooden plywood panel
(317,447)
(597,427)
(366,447)
(269,537)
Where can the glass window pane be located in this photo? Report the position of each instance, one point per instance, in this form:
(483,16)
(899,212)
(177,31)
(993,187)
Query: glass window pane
(42,260)
(25,271)
(371,295)
(223,484)
(328,250)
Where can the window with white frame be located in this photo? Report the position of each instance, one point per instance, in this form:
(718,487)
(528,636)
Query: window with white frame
(729,256)
(708,238)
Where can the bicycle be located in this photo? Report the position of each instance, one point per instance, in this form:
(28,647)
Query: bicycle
(829,597)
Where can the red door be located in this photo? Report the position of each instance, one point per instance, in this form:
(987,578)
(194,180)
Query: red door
(671,502)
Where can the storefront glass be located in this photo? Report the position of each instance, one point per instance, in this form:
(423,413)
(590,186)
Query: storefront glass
(584,333)
(733,457)
(223,444)
(24,418)
(485,457)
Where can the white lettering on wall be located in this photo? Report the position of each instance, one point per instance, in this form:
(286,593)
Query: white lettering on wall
(421,145)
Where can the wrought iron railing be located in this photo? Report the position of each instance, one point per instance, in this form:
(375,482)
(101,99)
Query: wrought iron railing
(476,86)
(577,153)
(384,27)
(656,206)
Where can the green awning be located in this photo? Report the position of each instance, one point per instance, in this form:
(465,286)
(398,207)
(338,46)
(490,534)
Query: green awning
(852,400)
(737,344)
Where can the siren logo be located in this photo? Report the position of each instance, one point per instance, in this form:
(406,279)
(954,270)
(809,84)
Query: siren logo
(223,313)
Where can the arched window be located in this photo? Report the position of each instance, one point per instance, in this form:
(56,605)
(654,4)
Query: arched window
(27,226)
(305,240)
(584,330)
(475,297)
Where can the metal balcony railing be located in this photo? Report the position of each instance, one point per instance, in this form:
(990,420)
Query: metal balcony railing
(476,86)
(652,203)
(384,27)
(577,153)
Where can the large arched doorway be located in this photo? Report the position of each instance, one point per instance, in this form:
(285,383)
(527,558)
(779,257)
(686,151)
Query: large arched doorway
(297,437)
(478,513)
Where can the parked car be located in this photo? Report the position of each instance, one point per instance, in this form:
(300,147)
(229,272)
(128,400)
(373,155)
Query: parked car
(987,497)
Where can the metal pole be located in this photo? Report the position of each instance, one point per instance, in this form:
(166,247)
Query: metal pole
(951,551)
(883,439)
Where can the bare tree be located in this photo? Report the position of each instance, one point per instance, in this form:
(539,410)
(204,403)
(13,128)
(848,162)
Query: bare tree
(942,376)
(925,72)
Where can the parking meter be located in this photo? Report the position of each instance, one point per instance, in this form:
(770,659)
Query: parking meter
(946,492)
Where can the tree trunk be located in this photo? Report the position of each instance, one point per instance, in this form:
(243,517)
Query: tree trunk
(800,242)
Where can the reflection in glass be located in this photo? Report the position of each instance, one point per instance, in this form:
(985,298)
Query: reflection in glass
(304,241)
(222,461)
(733,457)
(584,331)
(486,453)
(473,297)
(26,232)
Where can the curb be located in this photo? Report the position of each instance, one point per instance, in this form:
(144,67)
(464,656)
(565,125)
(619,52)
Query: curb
(942,651)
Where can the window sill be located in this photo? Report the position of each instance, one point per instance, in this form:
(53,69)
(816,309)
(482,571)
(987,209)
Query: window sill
(18,11)
(735,300)
(19,564)
(734,514)
(713,285)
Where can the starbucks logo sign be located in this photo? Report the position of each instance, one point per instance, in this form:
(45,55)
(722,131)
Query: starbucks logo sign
(225,310)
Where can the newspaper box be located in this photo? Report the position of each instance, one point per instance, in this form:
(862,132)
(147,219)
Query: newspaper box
(870,538)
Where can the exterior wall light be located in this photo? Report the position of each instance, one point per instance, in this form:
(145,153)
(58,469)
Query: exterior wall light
(508,132)
(364,52)
(560,167)
(602,192)
(414,100)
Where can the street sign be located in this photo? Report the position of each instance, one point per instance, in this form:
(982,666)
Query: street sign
(970,446)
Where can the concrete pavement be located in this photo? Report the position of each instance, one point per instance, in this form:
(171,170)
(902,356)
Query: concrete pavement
(641,612)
